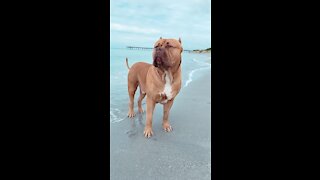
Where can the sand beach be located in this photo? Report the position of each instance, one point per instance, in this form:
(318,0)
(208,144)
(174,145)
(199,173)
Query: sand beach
(184,153)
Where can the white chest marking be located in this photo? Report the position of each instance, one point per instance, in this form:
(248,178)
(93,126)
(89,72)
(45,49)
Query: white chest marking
(167,87)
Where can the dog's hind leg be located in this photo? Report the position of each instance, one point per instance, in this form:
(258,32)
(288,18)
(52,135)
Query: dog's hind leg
(132,87)
(142,95)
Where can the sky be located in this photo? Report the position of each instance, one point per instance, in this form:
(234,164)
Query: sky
(143,22)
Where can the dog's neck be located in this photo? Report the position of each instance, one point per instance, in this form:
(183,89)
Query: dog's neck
(170,72)
(173,70)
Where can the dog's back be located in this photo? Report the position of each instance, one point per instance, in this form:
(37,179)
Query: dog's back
(137,74)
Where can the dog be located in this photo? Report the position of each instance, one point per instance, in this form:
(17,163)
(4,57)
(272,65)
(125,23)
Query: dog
(160,81)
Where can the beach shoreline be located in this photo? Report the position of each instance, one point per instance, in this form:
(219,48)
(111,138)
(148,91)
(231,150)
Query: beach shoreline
(184,153)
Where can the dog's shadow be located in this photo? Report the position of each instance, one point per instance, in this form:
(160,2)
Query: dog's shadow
(134,129)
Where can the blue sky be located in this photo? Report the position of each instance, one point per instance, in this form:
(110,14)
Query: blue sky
(142,22)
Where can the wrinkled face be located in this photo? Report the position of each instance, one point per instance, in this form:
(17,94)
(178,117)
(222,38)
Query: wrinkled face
(167,53)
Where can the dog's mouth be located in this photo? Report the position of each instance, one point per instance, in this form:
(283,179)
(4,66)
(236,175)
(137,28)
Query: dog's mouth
(157,61)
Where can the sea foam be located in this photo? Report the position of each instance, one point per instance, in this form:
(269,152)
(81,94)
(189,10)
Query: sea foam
(201,63)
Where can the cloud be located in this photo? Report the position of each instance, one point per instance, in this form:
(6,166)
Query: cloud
(132,29)
(142,20)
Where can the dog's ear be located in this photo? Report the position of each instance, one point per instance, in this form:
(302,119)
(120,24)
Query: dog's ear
(181,44)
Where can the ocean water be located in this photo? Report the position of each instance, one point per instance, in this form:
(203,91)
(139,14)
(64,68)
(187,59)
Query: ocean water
(193,67)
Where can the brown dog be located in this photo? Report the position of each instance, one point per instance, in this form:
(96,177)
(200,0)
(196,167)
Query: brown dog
(160,81)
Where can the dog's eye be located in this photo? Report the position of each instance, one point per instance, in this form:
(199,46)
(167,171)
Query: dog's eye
(156,46)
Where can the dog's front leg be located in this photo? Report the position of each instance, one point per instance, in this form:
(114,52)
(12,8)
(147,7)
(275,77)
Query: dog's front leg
(150,108)
(176,86)
(166,109)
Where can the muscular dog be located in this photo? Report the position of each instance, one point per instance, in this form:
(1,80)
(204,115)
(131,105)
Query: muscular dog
(160,81)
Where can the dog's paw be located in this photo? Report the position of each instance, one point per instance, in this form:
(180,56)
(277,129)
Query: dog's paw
(166,127)
(131,114)
(141,110)
(148,132)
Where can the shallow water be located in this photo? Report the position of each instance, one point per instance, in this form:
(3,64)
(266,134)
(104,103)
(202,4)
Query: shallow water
(193,66)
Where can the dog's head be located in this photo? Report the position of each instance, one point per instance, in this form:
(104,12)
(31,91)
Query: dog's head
(167,53)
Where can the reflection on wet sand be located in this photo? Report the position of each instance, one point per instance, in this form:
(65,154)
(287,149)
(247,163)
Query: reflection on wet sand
(133,128)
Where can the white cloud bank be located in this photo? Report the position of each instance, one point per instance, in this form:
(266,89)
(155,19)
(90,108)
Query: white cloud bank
(132,29)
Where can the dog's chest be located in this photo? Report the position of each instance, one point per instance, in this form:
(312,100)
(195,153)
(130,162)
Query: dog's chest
(167,87)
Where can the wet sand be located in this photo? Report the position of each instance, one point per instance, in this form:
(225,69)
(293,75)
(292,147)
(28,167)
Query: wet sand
(184,153)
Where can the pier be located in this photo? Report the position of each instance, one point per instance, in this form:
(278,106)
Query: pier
(138,48)
(148,48)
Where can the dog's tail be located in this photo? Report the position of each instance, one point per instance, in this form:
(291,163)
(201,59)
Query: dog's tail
(127,63)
